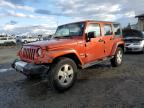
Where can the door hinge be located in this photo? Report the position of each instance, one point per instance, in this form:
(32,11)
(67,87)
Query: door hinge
(104,50)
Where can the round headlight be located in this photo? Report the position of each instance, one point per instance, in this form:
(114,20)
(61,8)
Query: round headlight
(39,52)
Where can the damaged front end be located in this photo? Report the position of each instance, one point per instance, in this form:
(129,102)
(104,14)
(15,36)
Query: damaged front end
(29,68)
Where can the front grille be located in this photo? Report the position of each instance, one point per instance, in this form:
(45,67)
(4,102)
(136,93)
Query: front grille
(29,53)
(129,49)
(127,44)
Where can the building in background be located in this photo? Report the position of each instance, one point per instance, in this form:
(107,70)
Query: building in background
(134,26)
(140,24)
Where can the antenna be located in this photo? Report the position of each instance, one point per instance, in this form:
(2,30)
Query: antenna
(57,21)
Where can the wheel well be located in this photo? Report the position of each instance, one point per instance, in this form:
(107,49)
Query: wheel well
(121,46)
(71,56)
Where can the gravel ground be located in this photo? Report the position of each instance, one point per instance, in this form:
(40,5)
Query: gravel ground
(8,54)
(100,86)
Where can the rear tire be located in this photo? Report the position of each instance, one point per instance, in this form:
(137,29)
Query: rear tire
(63,74)
(118,57)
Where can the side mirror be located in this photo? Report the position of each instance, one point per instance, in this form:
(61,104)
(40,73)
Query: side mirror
(90,35)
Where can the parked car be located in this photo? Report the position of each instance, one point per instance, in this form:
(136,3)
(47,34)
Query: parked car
(75,45)
(134,40)
(26,39)
(48,37)
(7,40)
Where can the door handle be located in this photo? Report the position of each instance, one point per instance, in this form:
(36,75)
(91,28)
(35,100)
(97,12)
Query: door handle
(112,38)
(101,40)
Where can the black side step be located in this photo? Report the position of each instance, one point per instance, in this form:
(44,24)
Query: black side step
(95,62)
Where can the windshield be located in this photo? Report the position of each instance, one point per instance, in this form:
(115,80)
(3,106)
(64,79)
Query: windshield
(132,33)
(75,29)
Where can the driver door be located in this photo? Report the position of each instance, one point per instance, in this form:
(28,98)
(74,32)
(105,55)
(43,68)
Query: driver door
(95,46)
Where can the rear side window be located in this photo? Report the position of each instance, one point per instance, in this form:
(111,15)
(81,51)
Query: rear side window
(94,28)
(117,30)
(108,30)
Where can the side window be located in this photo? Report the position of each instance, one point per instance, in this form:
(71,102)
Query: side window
(117,30)
(94,28)
(108,30)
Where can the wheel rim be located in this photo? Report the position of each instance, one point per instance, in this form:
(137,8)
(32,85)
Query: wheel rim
(119,57)
(65,74)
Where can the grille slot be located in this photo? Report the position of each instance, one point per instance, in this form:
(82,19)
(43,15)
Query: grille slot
(29,53)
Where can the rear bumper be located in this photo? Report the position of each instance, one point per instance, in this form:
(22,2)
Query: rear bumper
(29,68)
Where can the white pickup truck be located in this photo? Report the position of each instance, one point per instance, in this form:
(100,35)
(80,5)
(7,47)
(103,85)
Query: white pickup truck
(4,40)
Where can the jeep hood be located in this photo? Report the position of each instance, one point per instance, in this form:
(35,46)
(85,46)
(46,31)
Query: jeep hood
(53,43)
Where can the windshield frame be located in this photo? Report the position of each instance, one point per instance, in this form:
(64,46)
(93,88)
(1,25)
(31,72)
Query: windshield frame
(78,23)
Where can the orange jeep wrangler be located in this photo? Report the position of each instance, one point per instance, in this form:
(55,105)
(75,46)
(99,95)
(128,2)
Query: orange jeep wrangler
(74,46)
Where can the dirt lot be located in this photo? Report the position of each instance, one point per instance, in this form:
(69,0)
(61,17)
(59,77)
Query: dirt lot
(100,86)
(7,54)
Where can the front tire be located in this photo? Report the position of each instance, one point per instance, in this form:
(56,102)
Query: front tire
(62,74)
(118,57)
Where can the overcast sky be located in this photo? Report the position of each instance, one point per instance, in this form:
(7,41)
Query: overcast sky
(42,16)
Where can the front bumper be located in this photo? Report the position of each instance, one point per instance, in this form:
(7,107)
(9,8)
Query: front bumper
(134,48)
(29,68)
